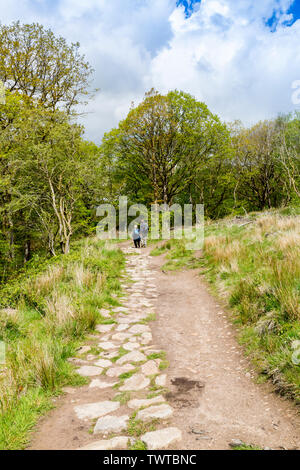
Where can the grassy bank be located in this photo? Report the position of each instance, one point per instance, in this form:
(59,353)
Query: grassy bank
(253,264)
(54,307)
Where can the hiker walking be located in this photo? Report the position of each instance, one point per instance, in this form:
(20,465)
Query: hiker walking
(144,233)
(136,237)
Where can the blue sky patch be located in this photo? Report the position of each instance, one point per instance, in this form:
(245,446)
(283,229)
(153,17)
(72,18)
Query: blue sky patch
(188,5)
(294,10)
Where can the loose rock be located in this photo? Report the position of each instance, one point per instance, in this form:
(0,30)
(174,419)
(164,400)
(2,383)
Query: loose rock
(89,371)
(95,410)
(115,443)
(97,383)
(117,371)
(161,380)
(104,328)
(155,412)
(149,368)
(103,363)
(136,404)
(162,438)
(133,356)
(135,383)
(111,424)
(107,345)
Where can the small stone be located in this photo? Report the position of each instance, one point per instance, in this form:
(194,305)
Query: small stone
(236,443)
(89,371)
(97,383)
(150,350)
(155,412)
(120,309)
(162,438)
(103,363)
(136,404)
(91,357)
(136,382)
(161,380)
(149,368)
(146,338)
(108,355)
(95,410)
(123,320)
(119,443)
(107,345)
(121,336)
(122,327)
(84,349)
(105,328)
(137,329)
(133,356)
(117,371)
(131,346)
(111,424)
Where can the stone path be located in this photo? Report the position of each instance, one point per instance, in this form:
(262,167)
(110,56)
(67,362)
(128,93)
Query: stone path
(131,367)
(211,400)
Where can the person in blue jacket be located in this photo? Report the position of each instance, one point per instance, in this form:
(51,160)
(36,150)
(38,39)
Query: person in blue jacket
(136,237)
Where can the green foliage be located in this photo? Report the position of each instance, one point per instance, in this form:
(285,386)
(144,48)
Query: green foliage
(122,397)
(41,66)
(39,343)
(138,445)
(247,447)
(163,146)
(137,427)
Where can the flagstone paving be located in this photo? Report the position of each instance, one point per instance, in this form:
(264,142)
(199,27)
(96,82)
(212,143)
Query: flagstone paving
(130,372)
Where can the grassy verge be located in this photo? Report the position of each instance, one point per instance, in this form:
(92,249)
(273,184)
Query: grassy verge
(254,266)
(52,312)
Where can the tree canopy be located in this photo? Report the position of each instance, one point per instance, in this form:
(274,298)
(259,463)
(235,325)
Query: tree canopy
(42,66)
(164,144)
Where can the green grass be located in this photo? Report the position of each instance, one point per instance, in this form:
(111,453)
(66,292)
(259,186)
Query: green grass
(138,445)
(122,397)
(255,269)
(247,447)
(164,364)
(136,427)
(16,424)
(55,308)
(150,318)
(160,355)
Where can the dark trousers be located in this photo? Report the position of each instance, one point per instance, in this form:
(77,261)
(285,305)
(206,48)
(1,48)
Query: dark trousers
(137,243)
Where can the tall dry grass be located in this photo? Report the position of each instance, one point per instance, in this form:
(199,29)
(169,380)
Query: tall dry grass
(56,309)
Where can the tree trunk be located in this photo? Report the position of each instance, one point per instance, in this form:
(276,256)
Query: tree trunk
(27,251)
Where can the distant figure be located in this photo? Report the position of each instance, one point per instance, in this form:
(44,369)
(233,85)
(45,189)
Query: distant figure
(136,237)
(144,233)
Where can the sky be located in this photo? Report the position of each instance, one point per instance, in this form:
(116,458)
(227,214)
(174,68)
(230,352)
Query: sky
(241,57)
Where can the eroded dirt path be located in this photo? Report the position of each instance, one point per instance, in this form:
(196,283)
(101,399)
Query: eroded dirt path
(214,392)
(206,397)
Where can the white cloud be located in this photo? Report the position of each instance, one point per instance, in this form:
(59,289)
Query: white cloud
(226,55)
(223,53)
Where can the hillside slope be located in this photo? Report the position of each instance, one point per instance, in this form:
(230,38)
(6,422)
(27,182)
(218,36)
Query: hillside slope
(253,264)
(55,306)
